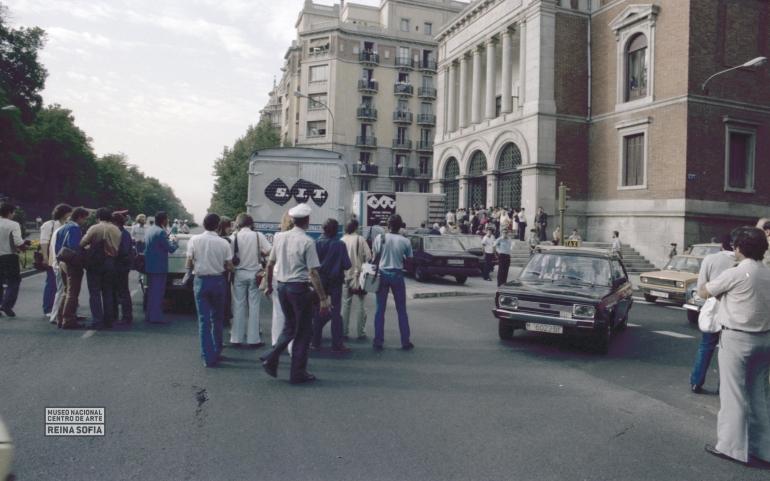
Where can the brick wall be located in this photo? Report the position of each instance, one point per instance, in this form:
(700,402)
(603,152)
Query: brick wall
(572,157)
(571,65)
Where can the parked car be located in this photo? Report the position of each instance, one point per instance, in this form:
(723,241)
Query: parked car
(472,244)
(673,281)
(568,291)
(176,271)
(702,250)
(6,452)
(436,255)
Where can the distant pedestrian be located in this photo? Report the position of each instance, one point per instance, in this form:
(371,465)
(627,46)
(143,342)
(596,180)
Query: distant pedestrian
(422,229)
(503,248)
(533,240)
(11,243)
(743,422)
(225,230)
(451,217)
(69,236)
(541,223)
(556,239)
(138,231)
(616,247)
(575,236)
(488,246)
(101,244)
(209,256)
(156,251)
(435,229)
(354,296)
(334,259)
(522,224)
(184,228)
(123,264)
(59,216)
(294,252)
(391,250)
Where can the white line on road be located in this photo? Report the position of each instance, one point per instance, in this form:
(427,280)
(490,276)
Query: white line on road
(88,334)
(642,301)
(674,334)
(631,324)
(678,308)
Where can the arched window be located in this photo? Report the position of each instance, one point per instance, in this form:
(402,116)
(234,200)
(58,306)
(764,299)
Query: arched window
(636,67)
(450,184)
(452,169)
(478,164)
(509,177)
(477,181)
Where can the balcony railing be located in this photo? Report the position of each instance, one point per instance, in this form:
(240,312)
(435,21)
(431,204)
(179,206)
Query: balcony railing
(405,63)
(427,174)
(369,86)
(407,172)
(369,57)
(365,169)
(366,142)
(402,117)
(366,113)
(426,119)
(425,145)
(429,65)
(402,144)
(403,89)
(426,92)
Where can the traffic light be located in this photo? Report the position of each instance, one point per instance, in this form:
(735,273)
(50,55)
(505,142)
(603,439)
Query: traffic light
(563,189)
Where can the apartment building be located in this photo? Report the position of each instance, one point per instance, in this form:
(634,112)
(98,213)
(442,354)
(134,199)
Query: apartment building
(361,80)
(606,96)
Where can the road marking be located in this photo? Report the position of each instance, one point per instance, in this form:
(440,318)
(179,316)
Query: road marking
(642,301)
(678,308)
(674,334)
(88,334)
(631,324)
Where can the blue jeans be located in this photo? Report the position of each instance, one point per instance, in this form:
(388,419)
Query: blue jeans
(210,302)
(391,280)
(49,290)
(156,291)
(708,342)
(334,292)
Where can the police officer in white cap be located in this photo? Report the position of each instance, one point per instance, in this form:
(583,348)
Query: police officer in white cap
(295,255)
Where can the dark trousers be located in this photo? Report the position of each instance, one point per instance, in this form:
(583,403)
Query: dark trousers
(503,264)
(708,344)
(49,290)
(73,279)
(123,297)
(522,230)
(541,228)
(101,292)
(10,277)
(297,305)
(489,265)
(319,322)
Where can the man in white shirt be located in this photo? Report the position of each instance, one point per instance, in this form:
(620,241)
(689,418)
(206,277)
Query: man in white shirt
(59,216)
(137,232)
(294,263)
(503,247)
(522,224)
(209,256)
(616,246)
(249,248)
(488,245)
(10,271)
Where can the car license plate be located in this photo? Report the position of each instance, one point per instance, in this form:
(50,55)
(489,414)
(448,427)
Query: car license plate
(456,262)
(534,326)
(664,295)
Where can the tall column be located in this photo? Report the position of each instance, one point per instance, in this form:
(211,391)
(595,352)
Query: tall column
(491,74)
(522,62)
(463,97)
(451,99)
(462,200)
(507,77)
(476,87)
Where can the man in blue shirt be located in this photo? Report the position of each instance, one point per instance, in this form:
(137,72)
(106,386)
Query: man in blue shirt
(69,236)
(157,247)
(333,255)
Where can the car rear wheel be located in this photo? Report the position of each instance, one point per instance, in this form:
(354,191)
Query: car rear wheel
(692,316)
(505,331)
(461,279)
(649,298)
(420,275)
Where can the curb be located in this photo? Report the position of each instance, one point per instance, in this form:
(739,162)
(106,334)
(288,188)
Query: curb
(431,295)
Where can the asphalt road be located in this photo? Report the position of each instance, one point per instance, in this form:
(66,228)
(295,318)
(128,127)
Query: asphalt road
(462,406)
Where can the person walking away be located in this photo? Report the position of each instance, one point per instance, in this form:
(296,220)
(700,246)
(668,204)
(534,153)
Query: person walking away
(541,222)
(488,246)
(10,270)
(503,246)
(156,251)
(294,252)
(743,422)
(137,232)
(58,217)
(101,244)
(358,252)
(249,248)
(69,236)
(279,318)
(616,247)
(710,268)
(334,259)
(390,250)
(522,224)
(123,263)
(208,258)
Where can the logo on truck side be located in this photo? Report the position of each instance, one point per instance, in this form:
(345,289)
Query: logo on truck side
(302,191)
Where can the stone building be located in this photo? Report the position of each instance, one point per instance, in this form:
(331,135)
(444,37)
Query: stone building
(606,96)
(375,69)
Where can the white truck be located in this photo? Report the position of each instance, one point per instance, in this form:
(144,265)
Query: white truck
(414,208)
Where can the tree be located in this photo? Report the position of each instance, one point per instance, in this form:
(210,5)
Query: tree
(231,183)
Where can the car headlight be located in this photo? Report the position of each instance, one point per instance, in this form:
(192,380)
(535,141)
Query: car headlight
(585,311)
(509,302)
(643,279)
(680,284)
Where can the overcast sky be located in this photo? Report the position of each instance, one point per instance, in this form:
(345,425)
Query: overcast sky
(167,82)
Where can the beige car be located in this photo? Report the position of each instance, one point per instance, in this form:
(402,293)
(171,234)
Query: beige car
(702,250)
(671,283)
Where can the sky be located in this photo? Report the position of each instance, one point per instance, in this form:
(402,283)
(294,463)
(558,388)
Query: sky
(169,83)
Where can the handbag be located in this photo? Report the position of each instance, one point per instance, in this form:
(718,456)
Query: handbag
(370,272)
(707,319)
(69,256)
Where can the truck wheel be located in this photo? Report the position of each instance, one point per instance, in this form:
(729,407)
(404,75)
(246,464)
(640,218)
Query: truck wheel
(649,298)
(461,279)
(692,316)
(420,275)
(505,331)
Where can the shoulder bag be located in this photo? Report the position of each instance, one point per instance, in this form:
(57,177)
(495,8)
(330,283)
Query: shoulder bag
(69,256)
(38,261)
(707,319)
(369,280)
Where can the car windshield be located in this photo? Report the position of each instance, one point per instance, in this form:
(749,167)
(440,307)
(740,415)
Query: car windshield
(568,268)
(684,264)
(470,241)
(443,244)
(704,250)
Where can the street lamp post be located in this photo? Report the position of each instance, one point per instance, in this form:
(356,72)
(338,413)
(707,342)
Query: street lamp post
(297,93)
(755,62)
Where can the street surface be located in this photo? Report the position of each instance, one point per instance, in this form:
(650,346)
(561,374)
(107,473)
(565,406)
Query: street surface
(462,406)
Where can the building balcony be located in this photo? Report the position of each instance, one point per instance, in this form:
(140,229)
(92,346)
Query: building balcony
(402,117)
(366,170)
(428,65)
(366,113)
(427,174)
(426,119)
(426,93)
(401,172)
(404,63)
(368,86)
(403,90)
(425,146)
(369,58)
(366,142)
(402,144)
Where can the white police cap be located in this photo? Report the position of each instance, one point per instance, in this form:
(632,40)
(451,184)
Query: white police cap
(300,211)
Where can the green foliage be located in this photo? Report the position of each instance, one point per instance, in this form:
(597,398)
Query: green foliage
(232,167)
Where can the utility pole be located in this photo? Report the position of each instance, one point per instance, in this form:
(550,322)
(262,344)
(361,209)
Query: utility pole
(563,189)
